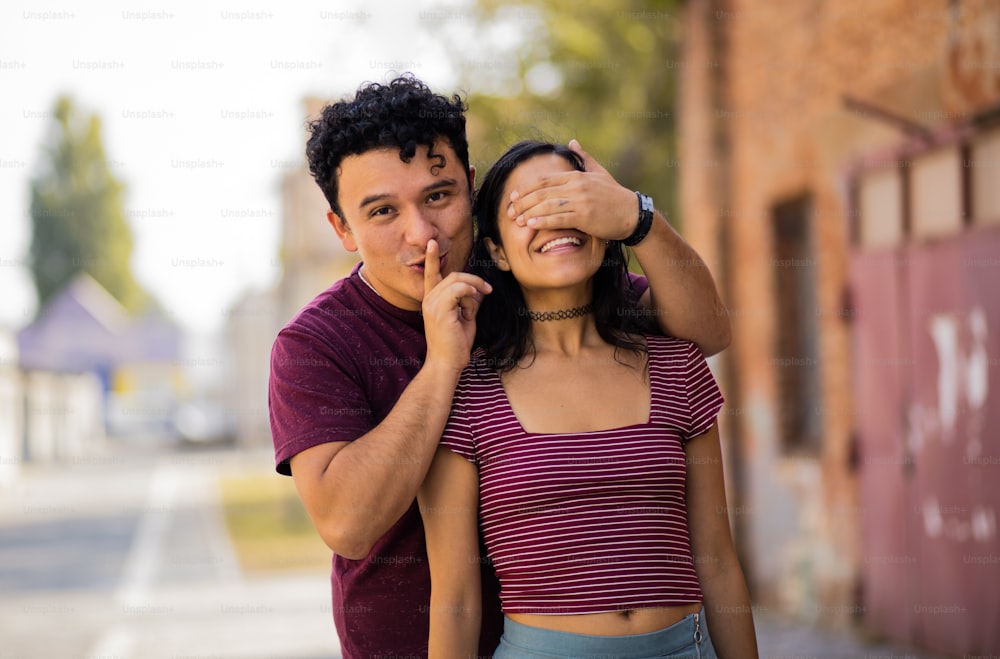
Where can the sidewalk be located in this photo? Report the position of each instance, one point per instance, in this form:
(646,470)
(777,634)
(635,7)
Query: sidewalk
(283,616)
(781,638)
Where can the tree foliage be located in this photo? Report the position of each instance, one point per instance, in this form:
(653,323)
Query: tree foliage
(603,73)
(77,215)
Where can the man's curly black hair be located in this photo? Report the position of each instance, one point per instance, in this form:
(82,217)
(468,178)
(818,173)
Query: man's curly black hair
(404,113)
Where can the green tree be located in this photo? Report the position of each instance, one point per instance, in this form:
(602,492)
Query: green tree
(77,216)
(604,73)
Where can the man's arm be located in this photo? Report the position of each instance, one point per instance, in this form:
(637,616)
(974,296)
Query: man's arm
(682,294)
(681,289)
(355,491)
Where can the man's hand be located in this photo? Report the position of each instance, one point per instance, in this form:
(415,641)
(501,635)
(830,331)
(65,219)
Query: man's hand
(449,307)
(355,491)
(590,201)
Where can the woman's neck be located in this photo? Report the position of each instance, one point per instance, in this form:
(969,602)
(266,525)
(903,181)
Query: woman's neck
(567,337)
(562,320)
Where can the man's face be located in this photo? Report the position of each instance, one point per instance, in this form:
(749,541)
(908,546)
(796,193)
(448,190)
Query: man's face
(393,208)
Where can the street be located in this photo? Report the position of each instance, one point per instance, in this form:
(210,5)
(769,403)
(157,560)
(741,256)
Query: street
(126,556)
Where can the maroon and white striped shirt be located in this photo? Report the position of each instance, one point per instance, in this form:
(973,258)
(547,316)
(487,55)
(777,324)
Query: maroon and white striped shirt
(595,521)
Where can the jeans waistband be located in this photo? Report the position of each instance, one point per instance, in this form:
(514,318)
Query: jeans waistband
(685,634)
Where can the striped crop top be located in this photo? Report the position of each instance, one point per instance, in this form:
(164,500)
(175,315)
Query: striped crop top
(588,522)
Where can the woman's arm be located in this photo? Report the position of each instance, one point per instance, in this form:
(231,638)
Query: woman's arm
(449,505)
(727,601)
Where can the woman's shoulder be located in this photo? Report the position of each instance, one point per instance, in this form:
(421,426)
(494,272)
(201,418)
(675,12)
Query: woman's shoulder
(478,362)
(479,370)
(673,357)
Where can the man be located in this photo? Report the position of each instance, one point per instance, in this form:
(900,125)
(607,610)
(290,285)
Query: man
(363,377)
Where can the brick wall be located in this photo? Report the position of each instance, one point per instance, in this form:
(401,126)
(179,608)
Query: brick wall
(763,121)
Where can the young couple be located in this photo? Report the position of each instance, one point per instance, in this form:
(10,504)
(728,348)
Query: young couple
(582,439)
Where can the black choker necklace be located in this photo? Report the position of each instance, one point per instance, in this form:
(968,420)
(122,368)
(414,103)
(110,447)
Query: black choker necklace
(562,314)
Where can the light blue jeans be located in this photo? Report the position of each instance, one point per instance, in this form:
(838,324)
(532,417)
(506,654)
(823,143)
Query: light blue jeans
(685,639)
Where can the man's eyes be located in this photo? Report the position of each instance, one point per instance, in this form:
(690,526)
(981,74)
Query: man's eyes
(437,196)
(433,198)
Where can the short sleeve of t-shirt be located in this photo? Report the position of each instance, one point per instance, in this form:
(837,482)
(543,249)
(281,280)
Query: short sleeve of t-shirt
(458,432)
(312,397)
(703,394)
(638,284)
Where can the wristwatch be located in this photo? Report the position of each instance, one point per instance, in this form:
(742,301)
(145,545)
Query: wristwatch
(645,222)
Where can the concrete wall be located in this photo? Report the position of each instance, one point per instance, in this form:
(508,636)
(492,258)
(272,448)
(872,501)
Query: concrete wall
(48,417)
(252,325)
(11,423)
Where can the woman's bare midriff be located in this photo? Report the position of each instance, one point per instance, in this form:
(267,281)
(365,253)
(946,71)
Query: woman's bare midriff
(614,623)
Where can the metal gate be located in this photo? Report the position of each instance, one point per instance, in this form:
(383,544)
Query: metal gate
(926,342)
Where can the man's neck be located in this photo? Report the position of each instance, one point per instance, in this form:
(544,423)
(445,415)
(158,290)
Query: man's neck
(361,273)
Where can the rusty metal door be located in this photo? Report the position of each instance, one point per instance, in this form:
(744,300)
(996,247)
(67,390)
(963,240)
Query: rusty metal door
(926,342)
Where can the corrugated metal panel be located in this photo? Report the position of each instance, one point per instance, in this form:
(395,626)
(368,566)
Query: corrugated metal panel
(955,432)
(888,567)
(929,430)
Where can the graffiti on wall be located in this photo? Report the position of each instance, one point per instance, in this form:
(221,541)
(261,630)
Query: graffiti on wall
(958,420)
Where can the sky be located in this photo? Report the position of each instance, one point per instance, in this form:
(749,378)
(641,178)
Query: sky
(201,106)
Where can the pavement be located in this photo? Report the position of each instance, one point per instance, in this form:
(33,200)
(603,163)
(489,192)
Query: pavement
(782,638)
(126,556)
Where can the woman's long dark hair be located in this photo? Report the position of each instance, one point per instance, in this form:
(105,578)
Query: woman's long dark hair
(503,328)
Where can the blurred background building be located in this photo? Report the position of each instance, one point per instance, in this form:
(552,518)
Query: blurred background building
(839,170)
(84,369)
(135,359)
(311,259)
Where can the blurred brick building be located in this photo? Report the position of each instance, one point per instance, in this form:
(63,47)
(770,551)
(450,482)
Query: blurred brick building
(312,257)
(840,172)
(311,260)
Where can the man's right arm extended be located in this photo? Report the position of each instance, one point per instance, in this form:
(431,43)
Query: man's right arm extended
(355,491)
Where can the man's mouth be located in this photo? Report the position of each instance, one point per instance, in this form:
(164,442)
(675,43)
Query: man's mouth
(419,265)
(568,241)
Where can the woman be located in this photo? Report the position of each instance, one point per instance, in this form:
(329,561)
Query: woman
(587,447)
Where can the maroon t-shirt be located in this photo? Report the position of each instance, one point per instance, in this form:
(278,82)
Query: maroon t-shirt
(337,369)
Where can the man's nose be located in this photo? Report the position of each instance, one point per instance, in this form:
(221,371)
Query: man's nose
(420,227)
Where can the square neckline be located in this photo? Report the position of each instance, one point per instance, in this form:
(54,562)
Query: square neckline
(509,407)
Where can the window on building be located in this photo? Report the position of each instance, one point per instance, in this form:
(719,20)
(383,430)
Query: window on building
(983,168)
(796,353)
(881,208)
(930,194)
(936,194)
